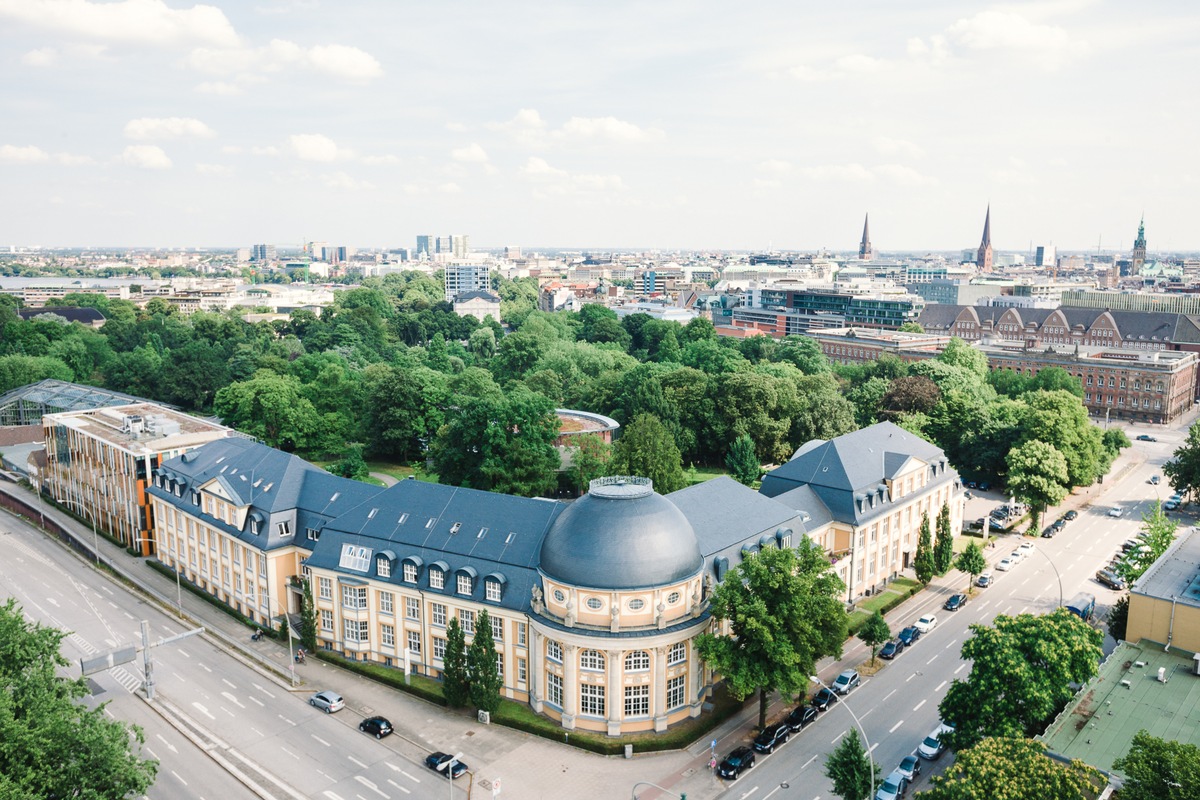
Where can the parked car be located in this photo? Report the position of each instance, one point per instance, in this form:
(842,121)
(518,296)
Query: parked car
(1170,505)
(908,636)
(846,682)
(926,623)
(1146,438)
(1016,556)
(931,747)
(824,698)
(892,649)
(893,787)
(955,601)
(1116,511)
(772,736)
(1154,480)
(801,716)
(327,701)
(435,760)
(741,758)
(984,580)
(1004,564)
(378,727)
(910,767)
(1026,548)
(1110,579)
(984,486)
(1070,515)
(1051,530)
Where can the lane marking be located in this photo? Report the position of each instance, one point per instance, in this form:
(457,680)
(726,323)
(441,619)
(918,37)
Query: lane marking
(806,763)
(232,699)
(747,794)
(889,694)
(170,746)
(398,786)
(178,778)
(328,793)
(370,786)
(917,707)
(356,761)
(206,668)
(897,725)
(839,736)
(930,661)
(260,702)
(910,677)
(952,643)
(319,739)
(285,719)
(961,667)
(229,683)
(402,772)
(264,691)
(939,686)
(203,710)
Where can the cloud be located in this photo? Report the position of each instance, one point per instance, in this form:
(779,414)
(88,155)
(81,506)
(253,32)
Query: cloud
(905,176)
(555,181)
(765,183)
(609,128)
(72,160)
(994,30)
(167,128)
(220,88)
(527,127)
(847,173)
(343,61)
(214,169)
(42,57)
(456,127)
(449,188)
(340,180)
(897,147)
(380,160)
(29,154)
(471,154)
(148,22)
(775,166)
(270,151)
(316,147)
(340,61)
(145,156)
(936,52)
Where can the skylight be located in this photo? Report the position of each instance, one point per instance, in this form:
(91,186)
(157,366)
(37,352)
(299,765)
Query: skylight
(355,557)
(336,495)
(402,520)
(371,514)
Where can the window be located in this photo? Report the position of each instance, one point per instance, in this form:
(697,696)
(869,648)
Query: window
(591,700)
(285,528)
(414,642)
(492,590)
(595,603)
(522,673)
(591,659)
(355,630)
(676,691)
(637,661)
(521,634)
(412,608)
(554,692)
(387,602)
(637,701)
(439,614)
(237,583)
(325,588)
(439,648)
(254,526)
(314,535)
(467,620)
(410,572)
(497,628)
(554,651)
(464,583)
(637,604)
(500,665)
(437,579)
(388,635)
(383,567)
(678,654)
(355,558)
(672,598)
(327,620)
(354,596)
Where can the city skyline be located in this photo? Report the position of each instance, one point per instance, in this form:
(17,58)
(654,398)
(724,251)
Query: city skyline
(628,127)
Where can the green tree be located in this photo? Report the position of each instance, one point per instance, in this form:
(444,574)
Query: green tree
(51,744)
(1059,419)
(456,678)
(923,562)
(1022,675)
(270,407)
(647,449)
(1156,534)
(1183,469)
(308,618)
(482,670)
(352,465)
(972,562)
(911,327)
(851,769)
(19,370)
(1016,769)
(742,461)
(784,613)
(590,456)
(1037,475)
(1118,618)
(867,398)
(874,633)
(943,548)
(1159,769)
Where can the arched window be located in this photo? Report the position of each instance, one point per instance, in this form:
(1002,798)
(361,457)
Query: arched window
(637,661)
(591,659)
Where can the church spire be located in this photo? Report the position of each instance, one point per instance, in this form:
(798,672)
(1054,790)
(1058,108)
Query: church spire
(865,251)
(1139,246)
(983,259)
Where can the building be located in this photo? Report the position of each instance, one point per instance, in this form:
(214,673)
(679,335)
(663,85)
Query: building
(425,246)
(477,304)
(983,258)
(779,310)
(594,604)
(466,277)
(1164,603)
(866,345)
(1132,301)
(865,251)
(98,463)
(89,317)
(1045,256)
(956,291)
(264,253)
(1139,248)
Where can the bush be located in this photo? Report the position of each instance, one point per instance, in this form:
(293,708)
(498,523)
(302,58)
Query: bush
(421,686)
(896,593)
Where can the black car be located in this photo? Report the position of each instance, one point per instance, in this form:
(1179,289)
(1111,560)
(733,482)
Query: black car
(907,636)
(1051,531)
(892,649)
(740,759)
(955,602)
(771,737)
(1110,579)
(824,699)
(984,486)
(435,760)
(801,716)
(378,727)
(1146,438)
(1070,515)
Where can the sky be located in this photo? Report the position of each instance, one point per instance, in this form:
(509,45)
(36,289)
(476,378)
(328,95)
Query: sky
(659,125)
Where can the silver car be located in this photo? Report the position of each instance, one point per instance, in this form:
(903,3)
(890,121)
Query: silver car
(894,786)
(327,701)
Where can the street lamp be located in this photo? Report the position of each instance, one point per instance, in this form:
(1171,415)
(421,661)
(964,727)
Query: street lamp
(448,765)
(656,786)
(866,741)
(1056,575)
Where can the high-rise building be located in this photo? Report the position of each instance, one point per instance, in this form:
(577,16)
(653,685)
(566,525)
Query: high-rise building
(460,245)
(445,244)
(425,245)
(263,252)
(1046,255)
(1139,247)
(466,278)
(983,259)
(512,252)
(865,252)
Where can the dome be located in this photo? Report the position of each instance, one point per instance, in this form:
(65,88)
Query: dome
(621,535)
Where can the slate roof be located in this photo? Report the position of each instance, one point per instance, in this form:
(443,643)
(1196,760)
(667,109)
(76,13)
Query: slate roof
(480,294)
(721,508)
(464,528)
(1161,326)
(80,314)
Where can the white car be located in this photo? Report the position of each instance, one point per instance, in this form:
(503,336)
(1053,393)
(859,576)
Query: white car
(1004,565)
(1016,556)
(1026,548)
(1116,511)
(926,623)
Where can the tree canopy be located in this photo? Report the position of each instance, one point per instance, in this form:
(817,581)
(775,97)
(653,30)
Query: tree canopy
(1037,475)
(851,770)
(1159,769)
(1014,768)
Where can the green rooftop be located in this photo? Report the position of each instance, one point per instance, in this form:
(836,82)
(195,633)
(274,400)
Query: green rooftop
(1099,724)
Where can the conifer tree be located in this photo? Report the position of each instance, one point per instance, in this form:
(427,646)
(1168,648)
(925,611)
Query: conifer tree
(484,676)
(456,683)
(923,563)
(943,549)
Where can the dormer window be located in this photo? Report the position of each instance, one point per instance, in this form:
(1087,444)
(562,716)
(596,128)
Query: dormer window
(285,529)
(464,583)
(410,572)
(492,590)
(437,578)
(195,497)
(254,526)
(383,567)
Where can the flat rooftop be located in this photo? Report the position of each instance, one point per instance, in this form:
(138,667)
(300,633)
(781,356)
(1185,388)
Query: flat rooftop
(162,428)
(1099,724)
(1176,574)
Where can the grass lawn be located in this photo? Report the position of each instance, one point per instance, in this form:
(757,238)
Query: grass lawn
(401,471)
(702,474)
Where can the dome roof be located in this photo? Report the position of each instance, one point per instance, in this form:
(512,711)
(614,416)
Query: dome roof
(621,535)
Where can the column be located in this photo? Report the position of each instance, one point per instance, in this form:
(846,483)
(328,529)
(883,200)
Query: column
(658,689)
(534,665)
(570,685)
(615,698)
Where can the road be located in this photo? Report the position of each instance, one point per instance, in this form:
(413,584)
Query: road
(898,706)
(262,729)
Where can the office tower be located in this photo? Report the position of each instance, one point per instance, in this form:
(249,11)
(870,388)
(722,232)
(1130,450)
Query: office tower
(425,245)
(865,252)
(512,252)
(983,259)
(444,245)
(460,245)
(466,278)
(1139,247)
(263,252)
(1046,255)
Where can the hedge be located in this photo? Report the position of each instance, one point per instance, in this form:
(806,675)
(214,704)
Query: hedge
(896,593)
(211,599)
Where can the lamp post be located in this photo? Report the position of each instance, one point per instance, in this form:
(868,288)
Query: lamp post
(1056,575)
(866,741)
(448,765)
(656,786)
